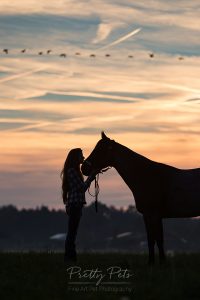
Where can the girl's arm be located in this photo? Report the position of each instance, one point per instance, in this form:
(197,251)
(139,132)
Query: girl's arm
(76,180)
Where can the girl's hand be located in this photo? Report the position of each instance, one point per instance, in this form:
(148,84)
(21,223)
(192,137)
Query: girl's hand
(94,173)
(67,209)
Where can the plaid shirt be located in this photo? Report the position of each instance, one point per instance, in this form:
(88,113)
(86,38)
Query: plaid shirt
(77,187)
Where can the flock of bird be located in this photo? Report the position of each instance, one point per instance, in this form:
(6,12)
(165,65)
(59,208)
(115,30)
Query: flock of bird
(151,55)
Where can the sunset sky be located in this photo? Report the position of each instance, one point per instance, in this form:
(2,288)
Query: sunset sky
(50,104)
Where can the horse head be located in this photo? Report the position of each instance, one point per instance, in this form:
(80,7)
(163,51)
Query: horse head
(100,157)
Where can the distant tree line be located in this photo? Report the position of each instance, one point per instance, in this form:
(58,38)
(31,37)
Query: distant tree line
(108,230)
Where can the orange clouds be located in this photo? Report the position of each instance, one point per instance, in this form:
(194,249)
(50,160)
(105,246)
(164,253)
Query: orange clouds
(50,104)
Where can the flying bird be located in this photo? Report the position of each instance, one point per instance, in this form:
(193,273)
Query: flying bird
(5,51)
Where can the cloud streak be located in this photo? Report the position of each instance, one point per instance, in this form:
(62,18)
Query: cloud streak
(120,40)
(103,32)
(86,96)
(20,75)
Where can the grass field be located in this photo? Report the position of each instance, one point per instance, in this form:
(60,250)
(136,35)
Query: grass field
(109,276)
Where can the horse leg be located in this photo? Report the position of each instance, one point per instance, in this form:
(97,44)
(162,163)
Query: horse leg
(159,240)
(150,230)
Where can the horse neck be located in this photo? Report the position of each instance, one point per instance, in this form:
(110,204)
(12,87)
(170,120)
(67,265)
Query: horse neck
(130,165)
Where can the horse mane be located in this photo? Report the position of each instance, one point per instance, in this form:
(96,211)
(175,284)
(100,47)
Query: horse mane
(133,155)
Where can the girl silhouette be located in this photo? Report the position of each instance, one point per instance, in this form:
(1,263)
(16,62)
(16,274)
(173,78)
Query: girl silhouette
(73,195)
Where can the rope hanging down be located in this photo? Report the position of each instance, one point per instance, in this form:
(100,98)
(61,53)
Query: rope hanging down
(97,189)
(96,186)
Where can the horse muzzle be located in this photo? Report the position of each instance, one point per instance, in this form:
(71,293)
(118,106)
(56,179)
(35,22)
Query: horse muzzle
(86,168)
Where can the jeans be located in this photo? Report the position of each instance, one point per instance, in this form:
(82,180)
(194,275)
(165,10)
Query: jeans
(75,213)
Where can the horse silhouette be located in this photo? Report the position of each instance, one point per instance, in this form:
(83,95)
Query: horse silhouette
(160,191)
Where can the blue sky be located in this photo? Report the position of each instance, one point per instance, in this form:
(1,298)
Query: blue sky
(50,104)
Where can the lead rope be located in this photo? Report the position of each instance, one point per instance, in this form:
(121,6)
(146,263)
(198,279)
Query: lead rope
(97,188)
(96,192)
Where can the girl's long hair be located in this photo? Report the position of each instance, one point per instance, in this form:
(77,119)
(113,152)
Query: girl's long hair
(72,161)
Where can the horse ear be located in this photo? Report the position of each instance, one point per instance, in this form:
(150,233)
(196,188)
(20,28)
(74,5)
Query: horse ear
(103,136)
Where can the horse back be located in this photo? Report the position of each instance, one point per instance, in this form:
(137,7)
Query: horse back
(183,196)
